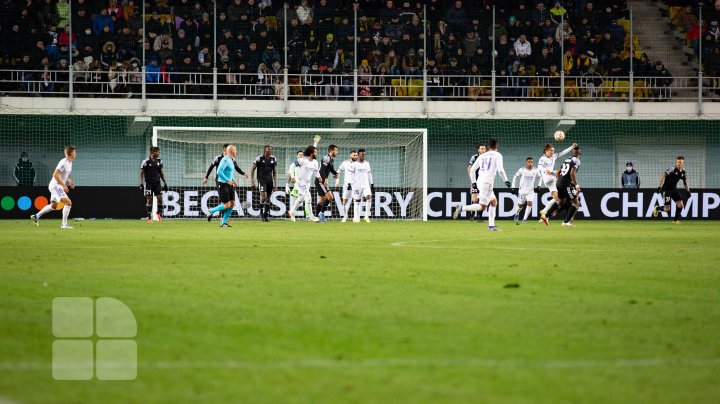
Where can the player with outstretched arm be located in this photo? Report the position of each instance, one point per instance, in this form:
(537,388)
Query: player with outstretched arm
(151,172)
(59,189)
(307,169)
(526,193)
(487,166)
(345,168)
(568,189)
(668,187)
(546,165)
(327,167)
(362,186)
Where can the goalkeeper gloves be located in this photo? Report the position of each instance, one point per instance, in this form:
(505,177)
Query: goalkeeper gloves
(165,187)
(507,184)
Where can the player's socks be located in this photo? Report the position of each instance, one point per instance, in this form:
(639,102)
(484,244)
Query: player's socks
(218,208)
(549,206)
(368,208)
(297,203)
(553,209)
(319,208)
(571,214)
(148,206)
(677,214)
(491,216)
(65,214)
(262,210)
(356,210)
(226,215)
(43,211)
(475,207)
(528,209)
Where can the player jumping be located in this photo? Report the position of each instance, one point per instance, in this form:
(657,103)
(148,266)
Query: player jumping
(345,167)
(266,165)
(568,189)
(668,187)
(151,172)
(323,189)
(527,175)
(546,165)
(307,169)
(226,187)
(473,186)
(487,166)
(59,189)
(362,186)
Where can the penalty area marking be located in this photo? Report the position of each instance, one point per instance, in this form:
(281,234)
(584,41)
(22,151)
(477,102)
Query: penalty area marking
(394,362)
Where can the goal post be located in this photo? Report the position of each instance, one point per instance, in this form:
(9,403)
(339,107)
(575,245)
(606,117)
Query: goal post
(397,156)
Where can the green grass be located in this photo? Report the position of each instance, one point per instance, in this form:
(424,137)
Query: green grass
(385,312)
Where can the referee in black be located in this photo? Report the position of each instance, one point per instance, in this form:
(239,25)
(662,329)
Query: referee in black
(266,166)
(668,186)
(151,172)
(214,163)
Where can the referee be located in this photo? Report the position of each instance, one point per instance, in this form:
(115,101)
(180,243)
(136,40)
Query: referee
(216,161)
(151,172)
(226,187)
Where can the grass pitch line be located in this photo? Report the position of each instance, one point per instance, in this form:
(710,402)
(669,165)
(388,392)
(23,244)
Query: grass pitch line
(392,362)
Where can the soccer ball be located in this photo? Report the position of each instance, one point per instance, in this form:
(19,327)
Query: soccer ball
(559,136)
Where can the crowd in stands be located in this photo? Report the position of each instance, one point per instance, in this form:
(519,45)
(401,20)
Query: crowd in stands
(183,40)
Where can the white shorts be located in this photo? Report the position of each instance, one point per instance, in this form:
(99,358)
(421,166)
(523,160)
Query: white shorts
(361,192)
(550,183)
(57,193)
(304,191)
(522,198)
(346,193)
(485,194)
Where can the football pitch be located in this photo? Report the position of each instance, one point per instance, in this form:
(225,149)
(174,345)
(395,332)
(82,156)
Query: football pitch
(382,312)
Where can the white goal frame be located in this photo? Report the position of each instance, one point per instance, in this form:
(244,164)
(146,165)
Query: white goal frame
(422,131)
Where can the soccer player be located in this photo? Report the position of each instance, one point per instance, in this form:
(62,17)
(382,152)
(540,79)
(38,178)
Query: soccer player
(362,186)
(151,172)
(59,189)
(668,187)
(546,165)
(307,169)
(226,187)
(265,164)
(486,166)
(345,167)
(291,188)
(214,163)
(568,189)
(527,175)
(327,167)
(481,149)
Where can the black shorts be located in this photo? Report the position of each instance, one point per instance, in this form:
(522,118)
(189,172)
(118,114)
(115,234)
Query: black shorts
(266,187)
(675,195)
(567,191)
(153,188)
(226,193)
(474,188)
(321,190)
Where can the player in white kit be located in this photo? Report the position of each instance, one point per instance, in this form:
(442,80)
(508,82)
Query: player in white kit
(362,186)
(486,166)
(546,165)
(347,183)
(307,169)
(59,189)
(481,149)
(526,188)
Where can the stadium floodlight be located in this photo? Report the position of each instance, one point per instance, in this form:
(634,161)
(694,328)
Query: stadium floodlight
(398,158)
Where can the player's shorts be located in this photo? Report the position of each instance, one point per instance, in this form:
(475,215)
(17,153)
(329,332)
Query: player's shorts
(567,191)
(674,195)
(303,190)
(550,182)
(363,192)
(320,187)
(528,197)
(57,193)
(474,188)
(485,193)
(153,188)
(226,193)
(347,192)
(266,187)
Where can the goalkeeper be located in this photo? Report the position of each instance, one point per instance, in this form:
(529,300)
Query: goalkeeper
(292,188)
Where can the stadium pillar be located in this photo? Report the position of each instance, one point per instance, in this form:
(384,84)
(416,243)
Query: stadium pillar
(215,89)
(493,89)
(143,86)
(355,71)
(562,61)
(425,56)
(631,95)
(143,94)
(700,63)
(71,100)
(286,87)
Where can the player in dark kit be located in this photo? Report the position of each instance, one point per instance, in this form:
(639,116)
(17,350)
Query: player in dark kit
(668,186)
(327,167)
(266,166)
(568,189)
(214,164)
(150,175)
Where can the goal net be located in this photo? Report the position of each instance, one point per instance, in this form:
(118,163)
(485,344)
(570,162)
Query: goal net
(398,160)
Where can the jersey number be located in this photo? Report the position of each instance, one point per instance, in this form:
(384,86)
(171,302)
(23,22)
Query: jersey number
(564,169)
(485,164)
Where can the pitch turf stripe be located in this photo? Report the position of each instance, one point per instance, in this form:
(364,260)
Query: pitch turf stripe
(399,362)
